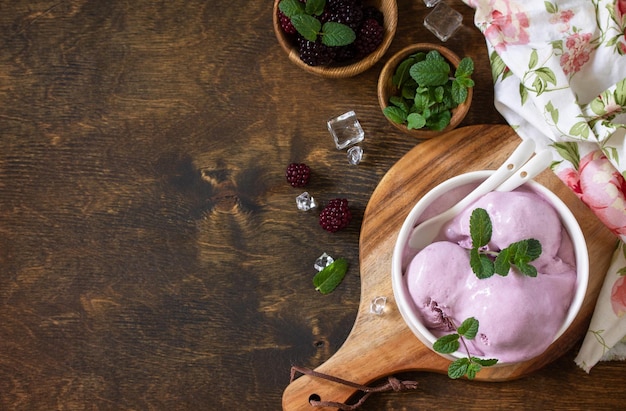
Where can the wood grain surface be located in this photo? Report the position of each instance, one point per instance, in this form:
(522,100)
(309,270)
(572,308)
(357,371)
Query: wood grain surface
(151,254)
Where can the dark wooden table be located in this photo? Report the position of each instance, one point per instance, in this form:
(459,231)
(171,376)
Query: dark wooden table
(151,254)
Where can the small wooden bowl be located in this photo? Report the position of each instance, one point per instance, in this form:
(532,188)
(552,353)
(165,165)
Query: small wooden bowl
(389,8)
(386,88)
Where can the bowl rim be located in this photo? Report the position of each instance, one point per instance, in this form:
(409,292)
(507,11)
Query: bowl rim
(401,294)
(384,85)
(350,70)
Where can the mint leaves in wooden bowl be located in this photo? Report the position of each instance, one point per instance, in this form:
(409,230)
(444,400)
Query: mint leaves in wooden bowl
(425,89)
(335,38)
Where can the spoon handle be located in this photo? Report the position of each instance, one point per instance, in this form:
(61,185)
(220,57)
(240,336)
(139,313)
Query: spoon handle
(530,170)
(426,232)
(515,161)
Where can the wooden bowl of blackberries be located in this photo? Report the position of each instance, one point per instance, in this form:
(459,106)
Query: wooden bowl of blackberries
(335,38)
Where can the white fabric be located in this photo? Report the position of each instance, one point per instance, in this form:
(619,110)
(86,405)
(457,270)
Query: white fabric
(559,70)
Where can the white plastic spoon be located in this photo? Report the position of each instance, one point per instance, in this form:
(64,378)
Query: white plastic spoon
(426,232)
(530,170)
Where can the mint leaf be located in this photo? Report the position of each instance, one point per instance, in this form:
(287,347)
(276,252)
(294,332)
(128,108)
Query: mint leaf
(448,102)
(408,90)
(465,81)
(480,228)
(415,121)
(519,248)
(465,68)
(502,264)
(527,269)
(447,344)
(440,121)
(517,254)
(395,114)
(330,277)
(421,101)
(481,265)
(469,328)
(434,55)
(401,75)
(450,343)
(315,7)
(308,26)
(291,7)
(337,34)
(487,362)
(458,91)
(399,102)
(472,370)
(430,72)
(533,249)
(439,108)
(458,368)
(419,56)
(438,94)
(521,256)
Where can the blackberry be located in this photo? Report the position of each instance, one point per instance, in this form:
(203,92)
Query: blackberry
(298,174)
(344,54)
(347,12)
(369,37)
(314,53)
(285,23)
(336,215)
(371,12)
(325,16)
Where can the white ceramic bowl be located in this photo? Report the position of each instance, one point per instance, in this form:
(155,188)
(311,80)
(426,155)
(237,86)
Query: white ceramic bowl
(428,206)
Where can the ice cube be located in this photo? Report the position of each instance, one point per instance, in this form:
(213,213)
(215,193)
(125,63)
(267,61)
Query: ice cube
(355,155)
(346,130)
(323,261)
(443,21)
(305,202)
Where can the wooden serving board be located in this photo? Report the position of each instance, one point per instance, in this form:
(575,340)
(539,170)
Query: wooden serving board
(381,345)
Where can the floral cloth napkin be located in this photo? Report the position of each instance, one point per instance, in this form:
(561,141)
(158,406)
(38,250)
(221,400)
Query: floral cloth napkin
(559,70)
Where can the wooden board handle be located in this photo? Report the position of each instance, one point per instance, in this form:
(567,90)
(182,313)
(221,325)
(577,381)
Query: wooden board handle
(378,346)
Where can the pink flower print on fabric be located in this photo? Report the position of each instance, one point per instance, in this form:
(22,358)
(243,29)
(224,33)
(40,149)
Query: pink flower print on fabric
(620,11)
(602,188)
(507,26)
(620,17)
(561,20)
(611,106)
(618,297)
(578,49)
(572,180)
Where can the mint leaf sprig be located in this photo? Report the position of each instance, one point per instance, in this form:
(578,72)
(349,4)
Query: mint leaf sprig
(427,90)
(466,366)
(331,276)
(486,263)
(303,18)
